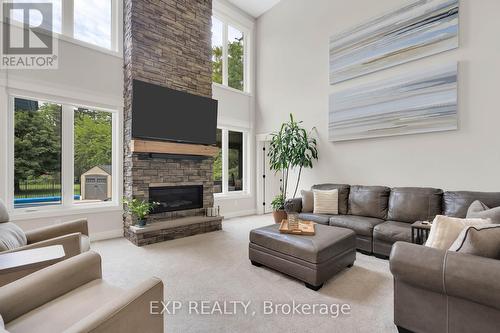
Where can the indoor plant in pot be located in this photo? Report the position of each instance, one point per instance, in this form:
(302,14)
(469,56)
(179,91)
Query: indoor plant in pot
(139,209)
(290,148)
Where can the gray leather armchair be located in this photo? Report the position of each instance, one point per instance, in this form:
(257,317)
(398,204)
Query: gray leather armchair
(71,296)
(438,291)
(73,236)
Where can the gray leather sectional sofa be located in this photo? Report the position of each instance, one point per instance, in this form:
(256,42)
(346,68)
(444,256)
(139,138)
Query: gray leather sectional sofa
(380,216)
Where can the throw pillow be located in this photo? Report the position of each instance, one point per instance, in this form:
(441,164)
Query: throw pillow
(483,241)
(445,230)
(326,202)
(4,216)
(307,201)
(479,210)
(11,236)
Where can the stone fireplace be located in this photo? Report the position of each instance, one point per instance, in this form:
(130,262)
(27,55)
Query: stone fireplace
(171,50)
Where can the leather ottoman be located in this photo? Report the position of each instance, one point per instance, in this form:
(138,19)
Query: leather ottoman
(312,259)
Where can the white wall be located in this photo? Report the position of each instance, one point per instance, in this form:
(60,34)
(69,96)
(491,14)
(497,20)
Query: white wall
(87,77)
(292,76)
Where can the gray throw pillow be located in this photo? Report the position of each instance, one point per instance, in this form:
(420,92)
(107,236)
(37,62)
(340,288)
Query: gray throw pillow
(4,216)
(483,241)
(479,210)
(307,201)
(11,236)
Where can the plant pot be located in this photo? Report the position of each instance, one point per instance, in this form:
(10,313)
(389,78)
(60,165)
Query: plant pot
(141,223)
(279,215)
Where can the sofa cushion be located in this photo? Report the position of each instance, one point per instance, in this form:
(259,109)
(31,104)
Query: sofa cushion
(369,201)
(445,230)
(63,312)
(343,194)
(483,241)
(11,236)
(326,202)
(4,215)
(479,210)
(410,204)
(324,245)
(392,232)
(456,204)
(359,224)
(318,218)
(307,201)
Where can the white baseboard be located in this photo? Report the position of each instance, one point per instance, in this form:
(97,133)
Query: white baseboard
(97,236)
(239,213)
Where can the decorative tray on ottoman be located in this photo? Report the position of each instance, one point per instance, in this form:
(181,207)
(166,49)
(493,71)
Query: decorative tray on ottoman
(305,228)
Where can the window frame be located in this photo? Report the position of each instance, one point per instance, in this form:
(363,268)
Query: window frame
(68,21)
(68,204)
(225,163)
(247,36)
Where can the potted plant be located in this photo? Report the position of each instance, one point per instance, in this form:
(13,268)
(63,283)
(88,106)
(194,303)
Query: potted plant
(139,209)
(291,147)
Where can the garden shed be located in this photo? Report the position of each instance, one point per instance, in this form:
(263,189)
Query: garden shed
(96,183)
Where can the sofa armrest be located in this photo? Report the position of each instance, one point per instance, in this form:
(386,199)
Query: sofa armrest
(34,290)
(71,244)
(454,274)
(293,205)
(131,312)
(473,278)
(418,265)
(41,234)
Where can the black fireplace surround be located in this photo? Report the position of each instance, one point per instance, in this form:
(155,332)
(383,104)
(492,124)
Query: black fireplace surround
(175,198)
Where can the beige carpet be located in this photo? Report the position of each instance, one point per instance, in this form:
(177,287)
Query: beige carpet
(215,267)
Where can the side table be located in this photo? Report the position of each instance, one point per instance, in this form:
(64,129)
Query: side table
(420,232)
(14,265)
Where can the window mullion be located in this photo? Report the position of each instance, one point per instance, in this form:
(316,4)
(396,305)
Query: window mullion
(114,24)
(67,165)
(225,52)
(68,18)
(225,161)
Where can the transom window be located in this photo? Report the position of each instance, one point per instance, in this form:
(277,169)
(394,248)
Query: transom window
(91,21)
(63,154)
(229,50)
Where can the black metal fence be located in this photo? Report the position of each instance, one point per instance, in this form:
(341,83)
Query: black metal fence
(40,189)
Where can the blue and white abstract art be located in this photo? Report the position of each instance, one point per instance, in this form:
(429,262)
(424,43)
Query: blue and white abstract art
(421,29)
(408,104)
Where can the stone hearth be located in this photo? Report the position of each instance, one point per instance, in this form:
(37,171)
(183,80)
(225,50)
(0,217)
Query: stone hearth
(172,50)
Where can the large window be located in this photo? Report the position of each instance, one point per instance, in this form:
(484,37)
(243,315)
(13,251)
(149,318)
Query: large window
(34,18)
(37,153)
(93,155)
(93,21)
(228,55)
(90,21)
(229,168)
(63,154)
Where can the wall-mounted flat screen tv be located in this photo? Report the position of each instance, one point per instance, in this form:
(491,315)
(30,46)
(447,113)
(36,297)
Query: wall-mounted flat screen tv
(160,113)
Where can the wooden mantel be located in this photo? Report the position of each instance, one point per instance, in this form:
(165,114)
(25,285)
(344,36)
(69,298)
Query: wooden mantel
(160,147)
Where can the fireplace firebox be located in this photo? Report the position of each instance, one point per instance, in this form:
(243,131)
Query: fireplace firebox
(175,198)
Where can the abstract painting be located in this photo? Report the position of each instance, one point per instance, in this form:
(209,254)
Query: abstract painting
(405,105)
(418,30)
